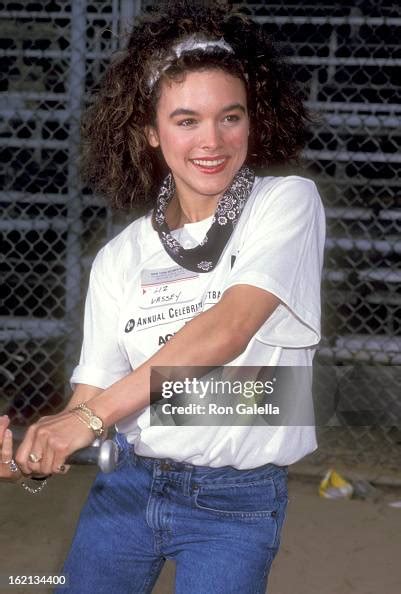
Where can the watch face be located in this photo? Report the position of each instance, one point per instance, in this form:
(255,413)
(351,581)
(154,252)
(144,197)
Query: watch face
(96,423)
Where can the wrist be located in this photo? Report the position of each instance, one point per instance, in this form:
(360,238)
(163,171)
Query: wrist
(88,416)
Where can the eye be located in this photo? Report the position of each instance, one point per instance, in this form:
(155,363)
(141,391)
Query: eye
(231,118)
(187,122)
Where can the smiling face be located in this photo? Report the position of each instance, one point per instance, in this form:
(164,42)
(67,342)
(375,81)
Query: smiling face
(202,130)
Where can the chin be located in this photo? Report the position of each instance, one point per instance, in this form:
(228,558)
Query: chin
(215,186)
(213,190)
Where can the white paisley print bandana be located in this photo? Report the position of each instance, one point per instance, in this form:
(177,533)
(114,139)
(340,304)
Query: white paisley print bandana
(205,256)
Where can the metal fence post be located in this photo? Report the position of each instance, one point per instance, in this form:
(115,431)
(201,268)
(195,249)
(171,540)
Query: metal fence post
(129,9)
(76,91)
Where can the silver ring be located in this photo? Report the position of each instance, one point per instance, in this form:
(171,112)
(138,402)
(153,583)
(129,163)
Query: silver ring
(13,466)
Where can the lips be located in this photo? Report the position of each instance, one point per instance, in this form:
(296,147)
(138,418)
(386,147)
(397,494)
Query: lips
(210,164)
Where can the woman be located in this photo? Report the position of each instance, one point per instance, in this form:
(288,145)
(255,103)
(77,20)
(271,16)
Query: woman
(223,268)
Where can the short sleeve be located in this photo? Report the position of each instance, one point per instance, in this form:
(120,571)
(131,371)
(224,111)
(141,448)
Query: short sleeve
(102,362)
(281,251)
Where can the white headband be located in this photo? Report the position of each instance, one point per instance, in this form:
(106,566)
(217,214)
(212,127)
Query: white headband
(188,45)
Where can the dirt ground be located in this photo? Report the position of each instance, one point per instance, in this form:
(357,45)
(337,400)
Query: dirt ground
(328,547)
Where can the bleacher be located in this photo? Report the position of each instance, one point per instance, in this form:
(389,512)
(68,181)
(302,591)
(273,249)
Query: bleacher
(348,57)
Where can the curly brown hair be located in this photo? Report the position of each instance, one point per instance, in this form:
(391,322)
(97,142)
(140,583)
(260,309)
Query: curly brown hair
(117,160)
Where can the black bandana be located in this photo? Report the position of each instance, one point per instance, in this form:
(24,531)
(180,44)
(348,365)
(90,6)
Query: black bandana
(205,256)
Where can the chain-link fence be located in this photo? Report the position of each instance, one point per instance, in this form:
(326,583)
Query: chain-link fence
(347,56)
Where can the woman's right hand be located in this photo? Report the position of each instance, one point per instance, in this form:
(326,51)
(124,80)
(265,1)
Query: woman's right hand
(6,452)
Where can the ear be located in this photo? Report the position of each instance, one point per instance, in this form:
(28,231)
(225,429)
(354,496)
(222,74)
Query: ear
(152,136)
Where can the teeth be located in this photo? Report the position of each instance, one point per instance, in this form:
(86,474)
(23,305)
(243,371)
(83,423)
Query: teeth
(208,163)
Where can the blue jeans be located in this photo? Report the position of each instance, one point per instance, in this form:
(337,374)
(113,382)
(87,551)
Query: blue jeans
(220,525)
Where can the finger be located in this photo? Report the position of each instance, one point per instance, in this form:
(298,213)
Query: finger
(60,456)
(7,447)
(61,468)
(54,455)
(40,448)
(25,448)
(4,422)
(7,457)
(47,463)
(36,467)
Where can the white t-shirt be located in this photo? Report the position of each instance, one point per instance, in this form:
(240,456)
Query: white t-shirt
(139,297)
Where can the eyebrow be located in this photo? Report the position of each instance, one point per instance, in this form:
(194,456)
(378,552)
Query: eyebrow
(189,112)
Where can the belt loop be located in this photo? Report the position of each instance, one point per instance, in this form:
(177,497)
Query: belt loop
(156,464)
(134,457)
(125,449)
(121,441)
(187,476)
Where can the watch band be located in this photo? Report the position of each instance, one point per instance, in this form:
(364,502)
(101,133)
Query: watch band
(91,420)
(96,423)
(76,413)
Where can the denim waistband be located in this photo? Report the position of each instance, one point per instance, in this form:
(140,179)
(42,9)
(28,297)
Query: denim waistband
(168,466)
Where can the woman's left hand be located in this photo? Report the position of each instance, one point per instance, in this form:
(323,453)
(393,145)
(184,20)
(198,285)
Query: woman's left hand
(50,441)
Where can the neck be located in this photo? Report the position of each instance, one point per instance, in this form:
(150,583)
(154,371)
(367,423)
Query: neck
(180,211)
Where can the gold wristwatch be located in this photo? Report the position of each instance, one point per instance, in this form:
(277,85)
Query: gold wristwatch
(91,420)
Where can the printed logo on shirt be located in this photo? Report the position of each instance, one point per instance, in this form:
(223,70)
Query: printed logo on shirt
(167,286)
(212,297)
(166,316)
(164,339)
(129,326)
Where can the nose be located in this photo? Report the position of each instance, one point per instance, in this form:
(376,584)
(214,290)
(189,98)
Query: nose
(211,136)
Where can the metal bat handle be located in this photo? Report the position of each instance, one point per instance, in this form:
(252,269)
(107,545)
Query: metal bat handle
(104,454)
